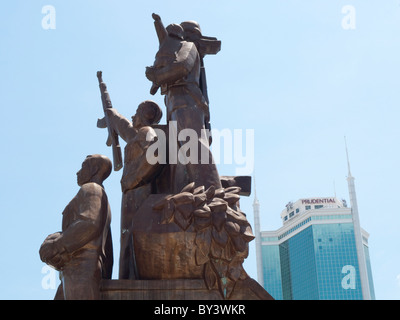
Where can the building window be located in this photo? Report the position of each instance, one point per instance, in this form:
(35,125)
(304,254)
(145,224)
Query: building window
(291,214)
(308,207)
(319,206)
(286,217)
(297,210)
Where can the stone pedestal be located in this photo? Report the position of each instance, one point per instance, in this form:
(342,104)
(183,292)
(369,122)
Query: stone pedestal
(177,289)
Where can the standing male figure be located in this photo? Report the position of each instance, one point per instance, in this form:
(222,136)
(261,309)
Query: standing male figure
(176,70)
(82,251)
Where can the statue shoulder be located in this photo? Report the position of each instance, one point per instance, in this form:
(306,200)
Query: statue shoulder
(188,46)
(146,133)
(91,189)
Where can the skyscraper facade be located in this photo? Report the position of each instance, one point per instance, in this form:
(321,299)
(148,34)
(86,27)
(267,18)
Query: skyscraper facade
(320,253)
(313,256)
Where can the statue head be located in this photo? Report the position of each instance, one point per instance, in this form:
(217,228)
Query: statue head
(191,30)
(148,113)
(205,45)
(95,168)
(175,31)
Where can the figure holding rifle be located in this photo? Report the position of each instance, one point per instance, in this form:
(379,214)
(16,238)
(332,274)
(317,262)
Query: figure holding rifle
(137,173)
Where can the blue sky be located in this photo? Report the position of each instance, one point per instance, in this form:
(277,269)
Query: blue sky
(287,70)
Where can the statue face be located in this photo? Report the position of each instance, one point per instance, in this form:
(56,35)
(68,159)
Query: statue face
(136,121)
(84,175)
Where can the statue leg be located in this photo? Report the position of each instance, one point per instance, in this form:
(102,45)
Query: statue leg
(131,202)
(81,277)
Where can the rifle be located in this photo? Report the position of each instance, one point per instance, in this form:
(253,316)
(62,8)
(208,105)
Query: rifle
(112,139)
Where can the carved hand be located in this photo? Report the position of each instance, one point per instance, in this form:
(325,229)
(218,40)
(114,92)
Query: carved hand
(156,17)
(49,249)
(150,74)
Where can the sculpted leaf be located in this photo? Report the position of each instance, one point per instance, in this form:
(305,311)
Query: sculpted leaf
(210,277)
(231,198)
(181,221)
(201,254)
(216,251)
(219,193)
(203,212)
(200,199)
(239,244)
(203,239)
(218,205)
(229,251)
(188,188)
(185,209)
(234,270)
(201,223)
(218,219)
(183,198)
(161,204)
(199,190)
(229,288)
(210,192)
(220,237)
(247,233)
(233,228)
(235,190)
(168,213)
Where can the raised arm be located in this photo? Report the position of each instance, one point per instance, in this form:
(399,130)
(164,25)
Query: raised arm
(121,125)
(160,29)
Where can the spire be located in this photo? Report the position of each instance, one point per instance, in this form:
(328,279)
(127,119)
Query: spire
(347,155)
(256,202)
(334,188)
(256,211)
(357,232)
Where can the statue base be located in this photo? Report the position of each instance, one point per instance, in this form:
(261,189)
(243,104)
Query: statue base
(179,289)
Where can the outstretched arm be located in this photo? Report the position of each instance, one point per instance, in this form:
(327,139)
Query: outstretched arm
(160,29)
(121,125)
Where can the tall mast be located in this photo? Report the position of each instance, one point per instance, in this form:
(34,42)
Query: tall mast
(256,209)
(357,232)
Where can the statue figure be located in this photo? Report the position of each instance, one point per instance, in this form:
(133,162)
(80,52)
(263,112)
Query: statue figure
(137,174)
(82,251)
(177,70)
(183,234)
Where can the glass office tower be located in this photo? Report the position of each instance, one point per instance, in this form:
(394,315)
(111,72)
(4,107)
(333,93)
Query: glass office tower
(314,255)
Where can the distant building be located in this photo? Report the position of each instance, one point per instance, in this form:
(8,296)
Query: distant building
(320,252)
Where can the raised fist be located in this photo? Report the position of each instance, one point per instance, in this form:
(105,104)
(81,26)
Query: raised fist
(156,17)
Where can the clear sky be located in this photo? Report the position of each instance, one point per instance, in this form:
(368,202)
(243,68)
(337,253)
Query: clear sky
(301,74)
